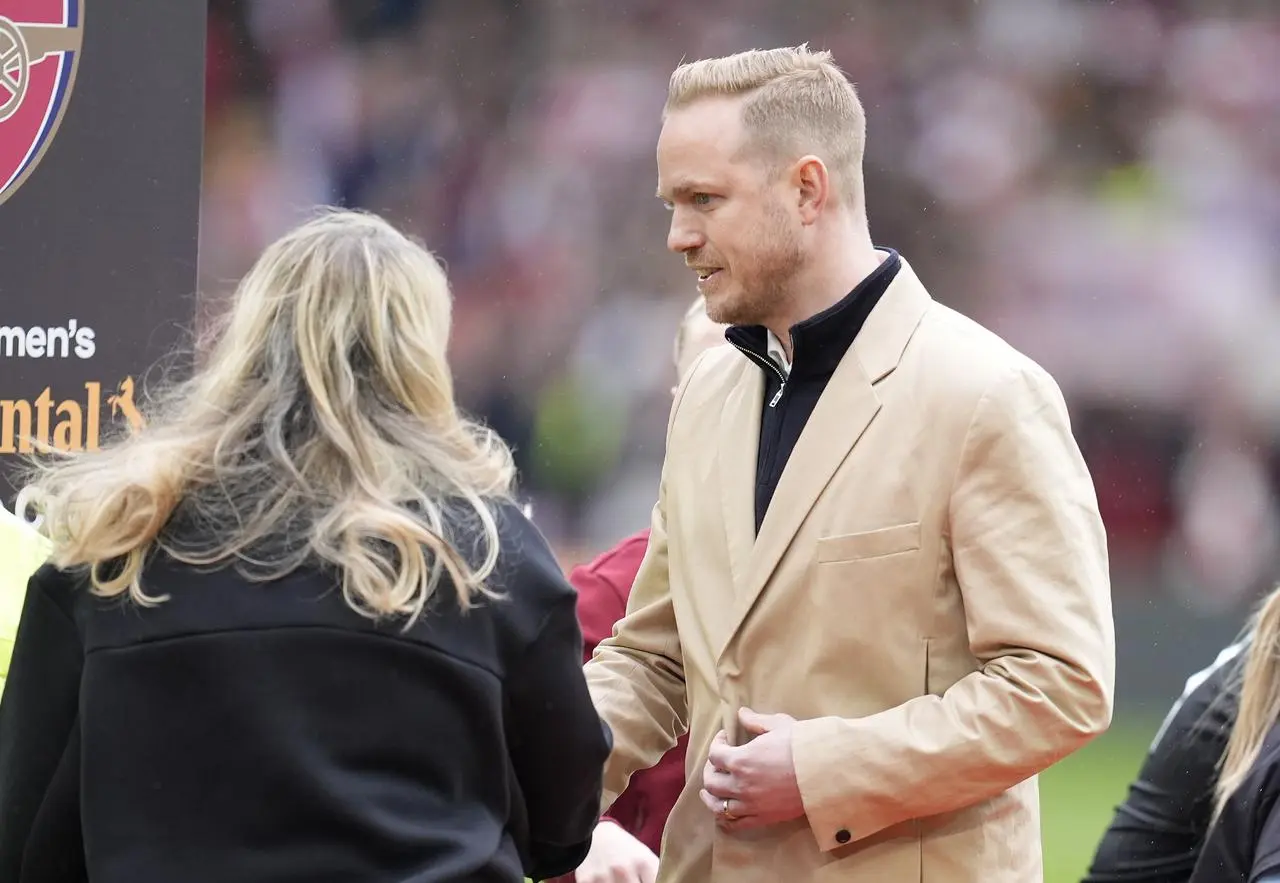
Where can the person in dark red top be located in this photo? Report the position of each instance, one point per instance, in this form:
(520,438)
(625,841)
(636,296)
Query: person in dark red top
(625,845)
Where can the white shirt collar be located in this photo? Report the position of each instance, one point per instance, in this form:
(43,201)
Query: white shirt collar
(778,354)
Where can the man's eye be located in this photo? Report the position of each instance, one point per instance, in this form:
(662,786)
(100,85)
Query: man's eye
(701,199)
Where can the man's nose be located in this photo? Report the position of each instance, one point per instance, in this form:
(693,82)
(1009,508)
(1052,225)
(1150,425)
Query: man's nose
(683,237)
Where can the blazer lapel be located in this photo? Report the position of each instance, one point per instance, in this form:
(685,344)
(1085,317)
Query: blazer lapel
(844,411)
(737,447)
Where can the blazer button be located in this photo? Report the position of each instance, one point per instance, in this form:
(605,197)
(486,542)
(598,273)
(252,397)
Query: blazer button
(843,836)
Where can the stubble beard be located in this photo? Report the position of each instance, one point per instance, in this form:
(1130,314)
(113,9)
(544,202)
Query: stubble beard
(765,286)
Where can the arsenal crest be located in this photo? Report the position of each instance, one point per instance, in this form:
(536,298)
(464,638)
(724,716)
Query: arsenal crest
(39,52)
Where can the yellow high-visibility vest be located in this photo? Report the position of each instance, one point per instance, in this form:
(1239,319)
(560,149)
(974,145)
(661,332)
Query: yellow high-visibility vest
(22,551)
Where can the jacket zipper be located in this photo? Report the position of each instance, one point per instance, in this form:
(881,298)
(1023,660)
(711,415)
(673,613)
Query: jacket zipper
(768,444)
(768,365)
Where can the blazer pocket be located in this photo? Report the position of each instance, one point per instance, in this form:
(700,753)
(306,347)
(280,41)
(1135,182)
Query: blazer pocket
(870,544)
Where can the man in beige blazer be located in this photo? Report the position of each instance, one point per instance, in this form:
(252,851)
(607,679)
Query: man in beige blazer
(876,589)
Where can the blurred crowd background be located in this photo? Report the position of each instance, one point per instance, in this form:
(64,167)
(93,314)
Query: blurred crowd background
(1097,181)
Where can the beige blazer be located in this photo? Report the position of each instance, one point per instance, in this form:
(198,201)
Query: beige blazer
(928,596)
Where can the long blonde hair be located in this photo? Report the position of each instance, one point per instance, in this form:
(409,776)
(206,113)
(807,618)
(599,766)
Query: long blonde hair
(322,429)
(1258,682)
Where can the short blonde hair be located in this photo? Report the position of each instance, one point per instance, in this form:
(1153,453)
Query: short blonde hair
(797,101)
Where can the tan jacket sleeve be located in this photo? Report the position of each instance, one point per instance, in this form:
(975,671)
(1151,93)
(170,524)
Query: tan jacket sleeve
(1030,558)
(636,676)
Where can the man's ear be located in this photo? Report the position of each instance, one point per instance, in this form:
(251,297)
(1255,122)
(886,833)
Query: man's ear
(812,186)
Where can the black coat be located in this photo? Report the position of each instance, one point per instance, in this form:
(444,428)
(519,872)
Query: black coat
(267,733)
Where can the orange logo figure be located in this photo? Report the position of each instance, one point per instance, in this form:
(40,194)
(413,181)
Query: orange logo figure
(122,403)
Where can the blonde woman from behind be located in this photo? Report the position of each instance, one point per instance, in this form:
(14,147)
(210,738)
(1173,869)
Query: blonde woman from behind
(1243,843)
(296,629)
